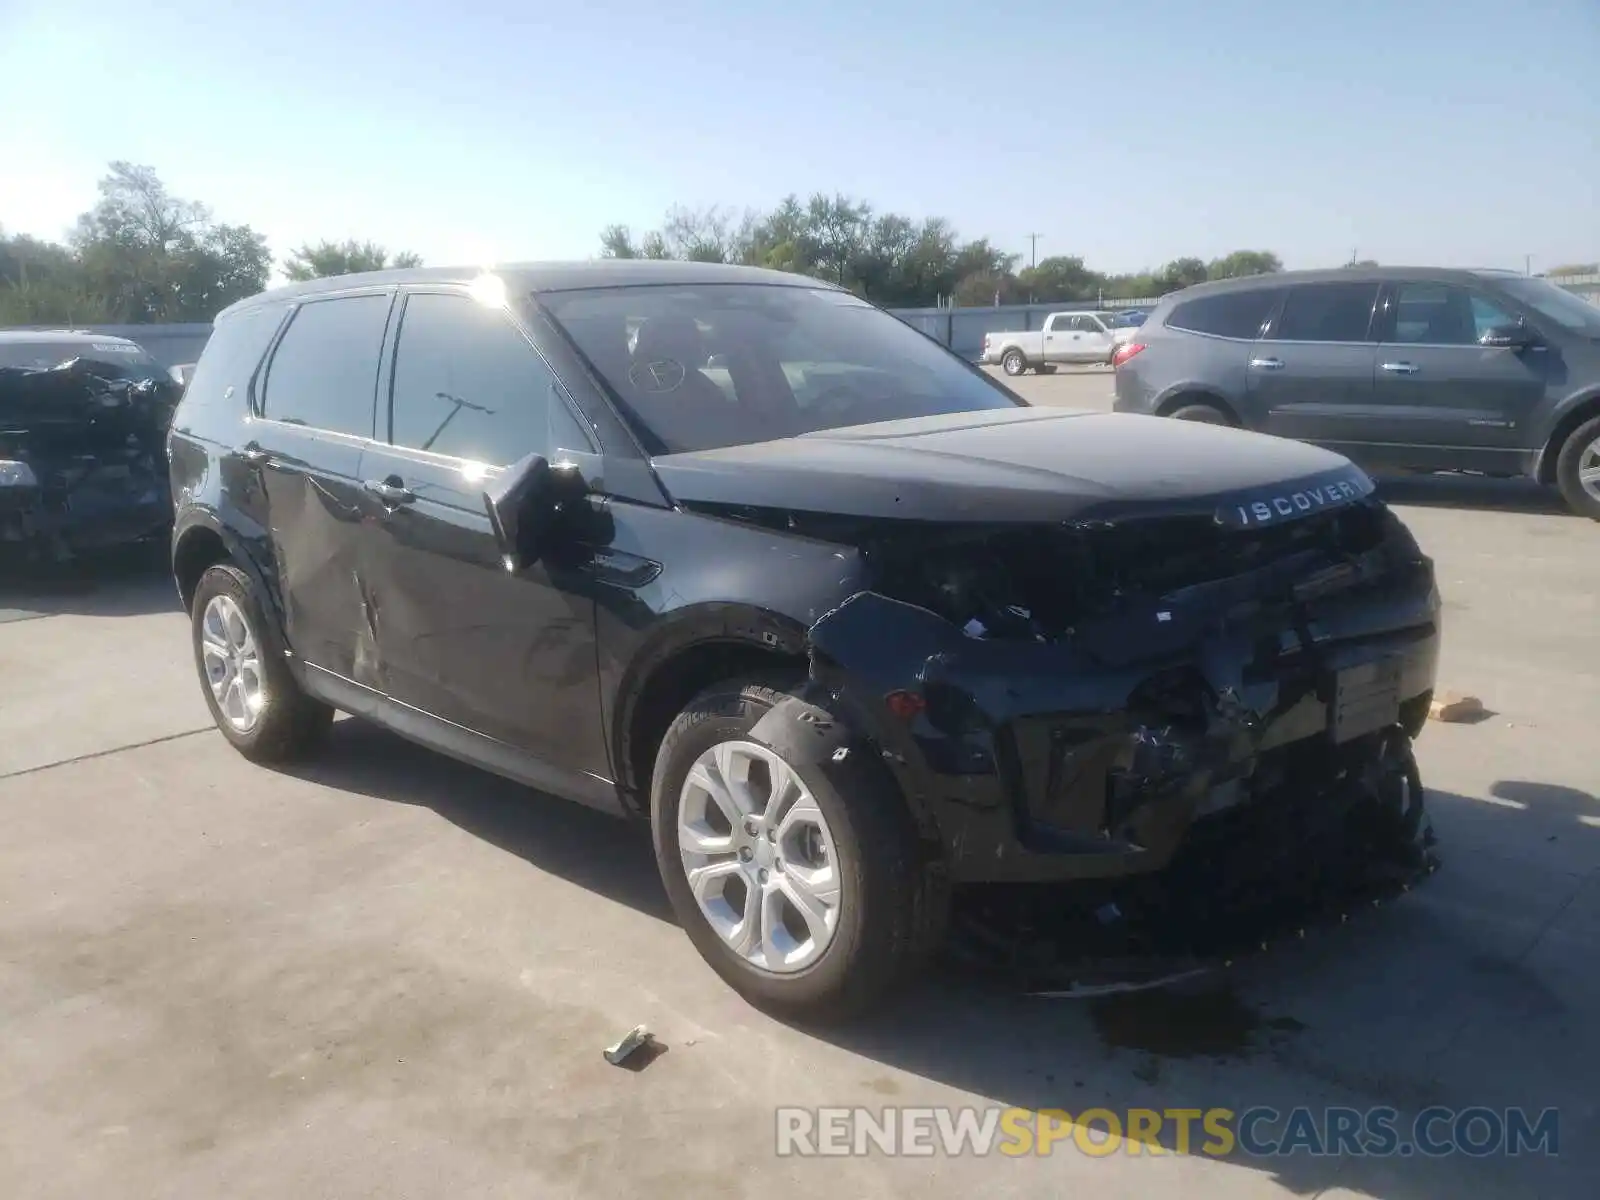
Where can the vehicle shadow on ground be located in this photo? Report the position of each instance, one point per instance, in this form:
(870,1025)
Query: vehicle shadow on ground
(585,847)
(1210,1041)
(1472,491)
(128,581)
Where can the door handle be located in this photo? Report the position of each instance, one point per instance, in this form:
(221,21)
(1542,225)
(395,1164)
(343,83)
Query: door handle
(254,455)
(1267,364)
(392,494)
(1401,368)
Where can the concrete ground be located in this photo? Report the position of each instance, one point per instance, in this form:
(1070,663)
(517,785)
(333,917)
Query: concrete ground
(390,975)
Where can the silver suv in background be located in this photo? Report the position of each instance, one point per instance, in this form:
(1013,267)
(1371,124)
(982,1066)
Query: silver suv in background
(1400,369)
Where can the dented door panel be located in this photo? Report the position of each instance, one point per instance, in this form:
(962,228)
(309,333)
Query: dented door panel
(304,489)
(510,656)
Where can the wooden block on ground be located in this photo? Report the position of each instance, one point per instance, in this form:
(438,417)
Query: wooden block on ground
(1453,706)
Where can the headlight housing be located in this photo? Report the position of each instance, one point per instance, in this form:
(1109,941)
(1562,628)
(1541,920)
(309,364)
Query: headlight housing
(17,474)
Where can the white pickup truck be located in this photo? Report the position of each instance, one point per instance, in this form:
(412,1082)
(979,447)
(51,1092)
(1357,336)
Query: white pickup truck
(1085,336)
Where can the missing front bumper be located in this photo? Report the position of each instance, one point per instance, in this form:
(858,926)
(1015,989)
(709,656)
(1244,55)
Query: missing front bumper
(1255,879)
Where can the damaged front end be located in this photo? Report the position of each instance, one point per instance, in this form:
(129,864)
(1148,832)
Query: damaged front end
(83,457)
(1164,699)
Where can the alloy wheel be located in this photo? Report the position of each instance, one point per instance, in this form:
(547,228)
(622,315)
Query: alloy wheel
(232,661)
(759,857)
(1589,470)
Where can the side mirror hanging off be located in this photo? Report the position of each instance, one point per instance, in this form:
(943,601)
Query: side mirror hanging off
(525,505)
(515,503)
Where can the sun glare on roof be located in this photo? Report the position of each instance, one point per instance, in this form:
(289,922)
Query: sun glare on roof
(488,290)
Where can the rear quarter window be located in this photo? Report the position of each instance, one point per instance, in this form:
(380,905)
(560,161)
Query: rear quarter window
(231,356)
(1228,314)
(324,373)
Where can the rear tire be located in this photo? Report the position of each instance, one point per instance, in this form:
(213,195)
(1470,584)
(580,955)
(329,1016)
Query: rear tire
(1012,362)
(1206,414)
(889,898)
(248,686)
(1578,470)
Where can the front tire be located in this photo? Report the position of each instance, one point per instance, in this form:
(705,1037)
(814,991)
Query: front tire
(789,856)
(1012,362)
(253,696)
(1578,470)
(1205,414)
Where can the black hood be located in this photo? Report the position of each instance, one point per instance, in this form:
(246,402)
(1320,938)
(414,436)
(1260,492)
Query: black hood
(1025,464)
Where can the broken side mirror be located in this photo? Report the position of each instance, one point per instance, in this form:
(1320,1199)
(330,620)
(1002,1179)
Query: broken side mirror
(524,506)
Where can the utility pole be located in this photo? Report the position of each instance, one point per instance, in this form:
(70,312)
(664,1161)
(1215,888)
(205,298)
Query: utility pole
(1527,264)
(1033,248)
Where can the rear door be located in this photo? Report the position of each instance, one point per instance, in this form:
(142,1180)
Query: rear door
(1310,375)
(509,656)
(1446,400)
(303,444)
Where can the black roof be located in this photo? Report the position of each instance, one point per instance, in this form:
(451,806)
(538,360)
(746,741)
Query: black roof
(1345,274)
(544,277)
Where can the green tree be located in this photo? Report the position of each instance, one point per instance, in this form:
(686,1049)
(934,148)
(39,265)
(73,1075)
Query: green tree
(1181,273)
(1060,278)
(152,256)
(901,261)
(1244,262)
(348,257)
(1573,269)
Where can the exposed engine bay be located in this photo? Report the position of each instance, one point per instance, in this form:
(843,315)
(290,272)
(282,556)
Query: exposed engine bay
(83,456)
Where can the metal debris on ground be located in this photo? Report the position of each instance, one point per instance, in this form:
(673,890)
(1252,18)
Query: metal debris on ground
(636,1038)
(1452,706)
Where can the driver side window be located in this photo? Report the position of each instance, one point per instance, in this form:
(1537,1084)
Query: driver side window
(467,384)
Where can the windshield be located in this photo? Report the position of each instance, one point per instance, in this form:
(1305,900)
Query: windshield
(704,366)
(133,362)
(1561,306)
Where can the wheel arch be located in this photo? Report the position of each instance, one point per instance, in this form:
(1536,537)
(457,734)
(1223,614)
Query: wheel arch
(201,541)
(698,648)
(1190,393)
(1585,408)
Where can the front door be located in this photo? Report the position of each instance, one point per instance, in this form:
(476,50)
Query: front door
(1310,375)
(1446,400)
(1058,338)
(509,656)
(303,445)
(1094,344)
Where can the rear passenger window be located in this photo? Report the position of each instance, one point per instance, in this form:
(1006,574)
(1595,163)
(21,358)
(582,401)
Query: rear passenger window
(1327,312)
(324,372)
(467,384)
(1227,314)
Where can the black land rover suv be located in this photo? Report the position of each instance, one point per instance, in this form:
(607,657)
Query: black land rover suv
(737,555)
(1400,368)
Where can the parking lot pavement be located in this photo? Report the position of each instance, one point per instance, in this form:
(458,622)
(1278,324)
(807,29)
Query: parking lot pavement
(391,975)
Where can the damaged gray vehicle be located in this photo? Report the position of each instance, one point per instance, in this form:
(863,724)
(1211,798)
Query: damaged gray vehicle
(83,426)
(848,625)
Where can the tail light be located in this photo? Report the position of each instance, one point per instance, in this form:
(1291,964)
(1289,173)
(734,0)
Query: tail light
(1126,351)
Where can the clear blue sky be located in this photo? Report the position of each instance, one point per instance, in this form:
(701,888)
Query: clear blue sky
(1124,131)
